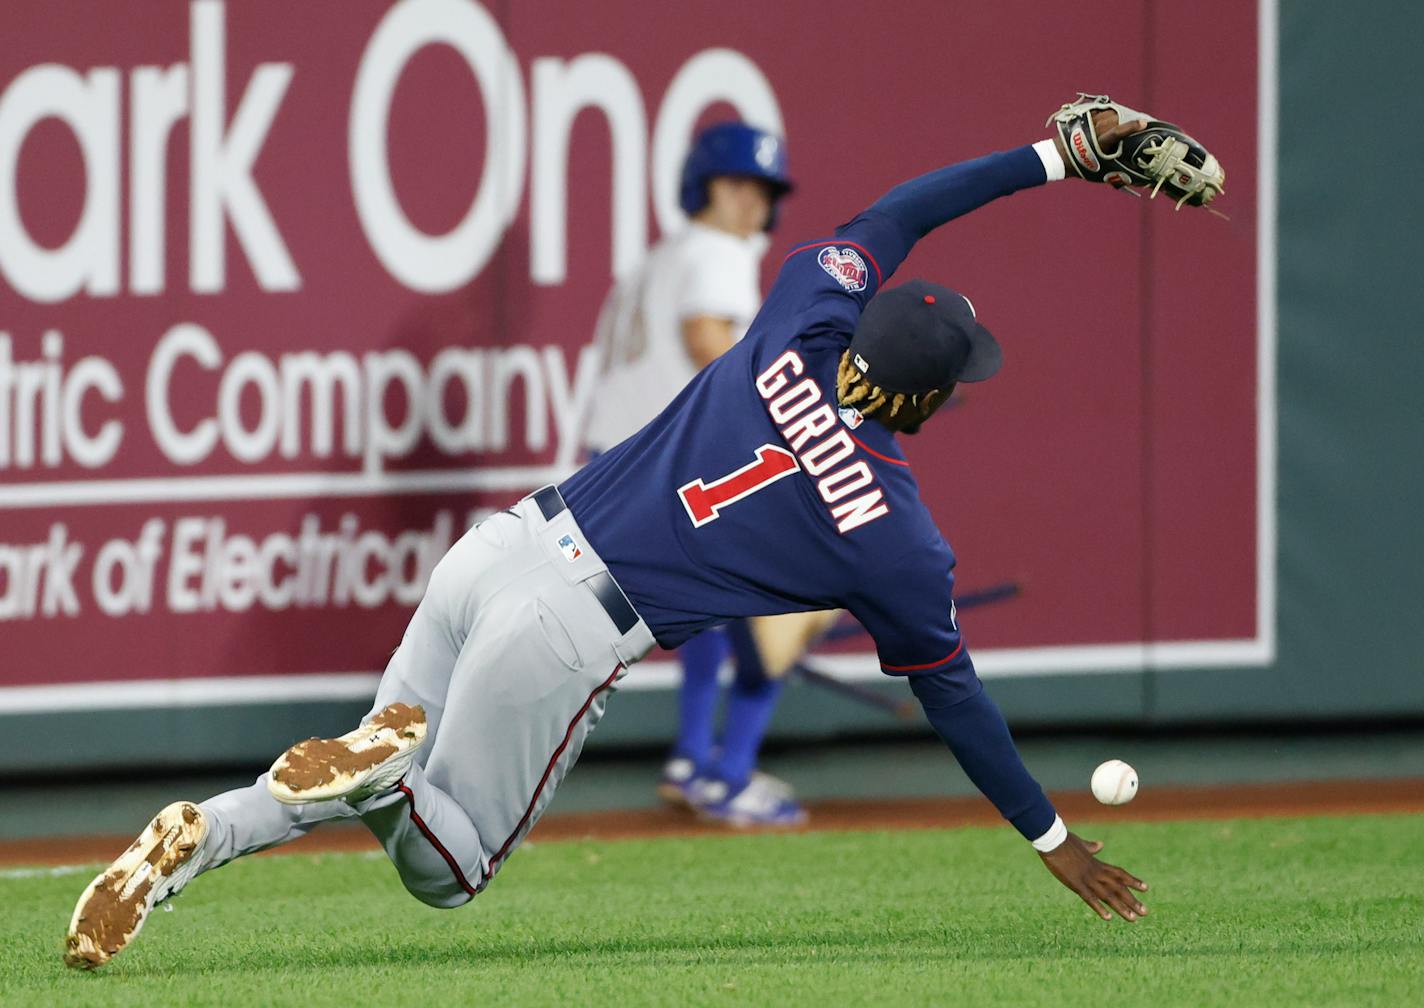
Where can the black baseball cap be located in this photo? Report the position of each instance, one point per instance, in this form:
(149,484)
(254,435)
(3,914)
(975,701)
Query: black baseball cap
(921,336)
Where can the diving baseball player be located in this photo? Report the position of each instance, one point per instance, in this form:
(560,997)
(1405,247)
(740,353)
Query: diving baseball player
(774,482)
(689,302)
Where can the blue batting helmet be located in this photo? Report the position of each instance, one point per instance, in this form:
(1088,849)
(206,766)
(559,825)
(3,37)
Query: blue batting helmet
(734,148)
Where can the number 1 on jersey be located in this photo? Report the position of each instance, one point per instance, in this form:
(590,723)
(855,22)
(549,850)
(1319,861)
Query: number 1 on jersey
(705,501)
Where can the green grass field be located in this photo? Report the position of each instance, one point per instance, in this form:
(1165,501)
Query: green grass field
(1268,912)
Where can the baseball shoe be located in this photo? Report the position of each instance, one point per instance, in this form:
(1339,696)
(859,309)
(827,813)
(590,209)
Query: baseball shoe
(114,906)
(764,802)
(679,782)
(773,785)
(359,764)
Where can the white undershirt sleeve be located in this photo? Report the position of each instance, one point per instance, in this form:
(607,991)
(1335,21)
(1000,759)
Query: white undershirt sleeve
(1053,166)
(1056,834)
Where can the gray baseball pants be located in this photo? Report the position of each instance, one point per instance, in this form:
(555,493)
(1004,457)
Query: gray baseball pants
(513,653)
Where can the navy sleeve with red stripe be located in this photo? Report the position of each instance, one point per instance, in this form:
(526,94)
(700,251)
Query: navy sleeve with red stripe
(916,634)
(908,610)
(906,604)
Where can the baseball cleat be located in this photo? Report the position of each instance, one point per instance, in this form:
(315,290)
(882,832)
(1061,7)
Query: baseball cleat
(679,782)
(359,764)
(773,785)
(764,803)
(113,908)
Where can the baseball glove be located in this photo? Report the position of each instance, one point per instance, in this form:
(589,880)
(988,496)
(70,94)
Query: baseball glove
(1162,156)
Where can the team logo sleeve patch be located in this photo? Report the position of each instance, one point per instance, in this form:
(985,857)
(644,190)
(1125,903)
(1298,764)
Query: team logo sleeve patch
(846,266)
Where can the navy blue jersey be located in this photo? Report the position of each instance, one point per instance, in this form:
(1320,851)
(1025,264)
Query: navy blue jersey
(752,493)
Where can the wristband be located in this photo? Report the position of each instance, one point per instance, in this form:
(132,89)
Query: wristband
(1053,166)
(1055,836)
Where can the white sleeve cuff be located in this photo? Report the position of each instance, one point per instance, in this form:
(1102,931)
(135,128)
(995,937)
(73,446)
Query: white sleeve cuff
(1057,833)
(1053,165)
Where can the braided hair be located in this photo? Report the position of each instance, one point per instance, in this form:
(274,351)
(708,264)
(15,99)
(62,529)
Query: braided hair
(894,409)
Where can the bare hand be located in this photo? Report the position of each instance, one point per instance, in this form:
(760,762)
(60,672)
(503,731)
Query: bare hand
(1101,885)
(1110,133)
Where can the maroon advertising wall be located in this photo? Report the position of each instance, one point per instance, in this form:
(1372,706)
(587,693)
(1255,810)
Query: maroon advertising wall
(291,293)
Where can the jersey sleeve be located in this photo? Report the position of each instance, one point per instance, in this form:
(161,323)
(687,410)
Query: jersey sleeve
(822,286)
(971,724)
(909,612)
(826,284)
(832,279)
(891,226)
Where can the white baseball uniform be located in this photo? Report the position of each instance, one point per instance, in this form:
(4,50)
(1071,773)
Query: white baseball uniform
(513,652)
(700,271)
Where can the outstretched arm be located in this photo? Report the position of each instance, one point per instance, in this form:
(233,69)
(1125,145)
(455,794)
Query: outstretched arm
(909,611)
(971,725)
(891,225)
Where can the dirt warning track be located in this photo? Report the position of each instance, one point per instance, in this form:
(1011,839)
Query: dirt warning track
(1302,798)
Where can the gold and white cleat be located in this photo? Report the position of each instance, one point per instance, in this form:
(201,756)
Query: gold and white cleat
(355,766)
(114,906)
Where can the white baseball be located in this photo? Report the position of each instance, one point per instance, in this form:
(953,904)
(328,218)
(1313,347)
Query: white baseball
(1114,783)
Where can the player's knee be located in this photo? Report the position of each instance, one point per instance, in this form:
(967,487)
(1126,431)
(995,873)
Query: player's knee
(442,890)
(441,896)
